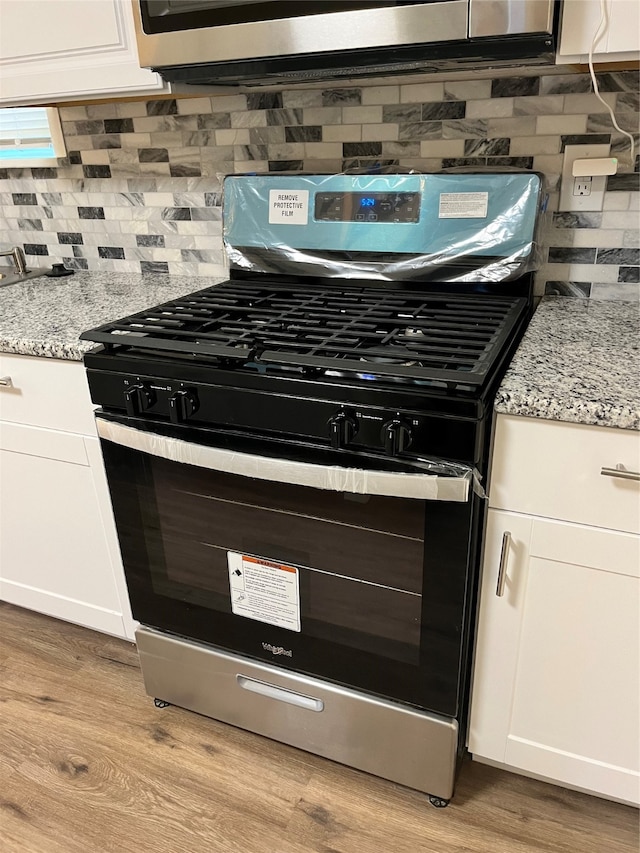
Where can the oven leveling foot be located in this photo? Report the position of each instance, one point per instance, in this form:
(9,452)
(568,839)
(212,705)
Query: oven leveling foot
(438,802)
(160,703)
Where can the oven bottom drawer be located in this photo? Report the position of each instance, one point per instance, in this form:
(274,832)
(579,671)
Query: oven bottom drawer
(403,745)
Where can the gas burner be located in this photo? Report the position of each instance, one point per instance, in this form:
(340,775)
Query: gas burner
(392,355)
(411,332)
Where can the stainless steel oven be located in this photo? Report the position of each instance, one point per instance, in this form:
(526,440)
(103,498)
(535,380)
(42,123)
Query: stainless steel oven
(339,574)
(208,41)
(295,461)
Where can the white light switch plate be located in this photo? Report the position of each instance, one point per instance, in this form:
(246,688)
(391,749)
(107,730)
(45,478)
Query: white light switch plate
(570,187)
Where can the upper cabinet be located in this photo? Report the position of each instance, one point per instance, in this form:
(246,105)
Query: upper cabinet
(620,41)
(61,50)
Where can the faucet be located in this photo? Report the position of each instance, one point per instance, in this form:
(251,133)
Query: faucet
(17,256)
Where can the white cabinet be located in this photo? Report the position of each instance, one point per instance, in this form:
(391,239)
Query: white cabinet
(580,20)
(556,689)
(58,546)
(53,50)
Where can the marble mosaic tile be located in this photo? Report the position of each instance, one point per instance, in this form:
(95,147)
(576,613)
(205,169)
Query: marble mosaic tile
(302,98)
(322,115)
(193,106)
(286,165)
(380,95)
(341,96)
(35,249)
(379,132)
(577,220)
(418,92)
(402,113)
(342,133)
(465,129)
(467,90)
(630,274)
(141,180)
(580,289)
(362,115)
(558,255)
(511,87)
(214,121)
(624,182)
(162,108)
(443,110)
(618,256)
(474,147)
(496,108)
(542,105)
(598,238)
(618,291)
(249,119)
(421,130)
(303,134)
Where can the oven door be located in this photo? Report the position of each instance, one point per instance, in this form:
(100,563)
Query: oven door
(349,568)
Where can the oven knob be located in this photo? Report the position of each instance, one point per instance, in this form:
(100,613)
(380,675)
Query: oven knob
(137,398)
(396,436)
(342,429)
(182,404)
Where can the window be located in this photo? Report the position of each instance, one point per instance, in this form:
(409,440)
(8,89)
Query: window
(30,136)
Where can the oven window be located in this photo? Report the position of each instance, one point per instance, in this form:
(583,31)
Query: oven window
(359,558)
(162,16)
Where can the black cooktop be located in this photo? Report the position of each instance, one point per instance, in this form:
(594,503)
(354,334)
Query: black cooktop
(323,328)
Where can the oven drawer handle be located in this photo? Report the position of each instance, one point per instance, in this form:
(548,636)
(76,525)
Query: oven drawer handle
(620,473)
(504,557)
(272,691)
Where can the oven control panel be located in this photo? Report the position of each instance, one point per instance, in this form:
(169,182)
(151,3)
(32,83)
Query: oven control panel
(350,426)
(367,207)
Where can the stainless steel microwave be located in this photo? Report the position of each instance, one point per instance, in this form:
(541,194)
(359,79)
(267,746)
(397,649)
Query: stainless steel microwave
(266,42)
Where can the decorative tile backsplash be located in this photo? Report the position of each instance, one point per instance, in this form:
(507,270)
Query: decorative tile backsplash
(140,188)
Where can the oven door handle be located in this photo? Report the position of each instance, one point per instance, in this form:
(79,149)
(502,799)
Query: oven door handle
(360,481)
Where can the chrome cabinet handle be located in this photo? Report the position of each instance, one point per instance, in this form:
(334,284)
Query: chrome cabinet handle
(620,472)
(504,556)
(6,382)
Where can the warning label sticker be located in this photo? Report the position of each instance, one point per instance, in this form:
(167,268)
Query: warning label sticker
(288,207)
(463,205)
(264,591)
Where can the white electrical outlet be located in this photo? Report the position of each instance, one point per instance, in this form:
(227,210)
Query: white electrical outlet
(582,186)
(587,191)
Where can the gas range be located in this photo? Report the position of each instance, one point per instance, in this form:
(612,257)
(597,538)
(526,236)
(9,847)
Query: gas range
(293,459)
(367,367)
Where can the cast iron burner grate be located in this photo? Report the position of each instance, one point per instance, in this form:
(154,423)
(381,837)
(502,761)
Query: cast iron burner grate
(453,338)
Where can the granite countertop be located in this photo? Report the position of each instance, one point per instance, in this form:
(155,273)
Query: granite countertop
(44,316)
(579,361)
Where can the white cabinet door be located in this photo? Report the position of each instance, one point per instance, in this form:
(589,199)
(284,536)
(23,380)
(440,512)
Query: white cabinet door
(580,21)
(556,684)
(62,49)
(54,552)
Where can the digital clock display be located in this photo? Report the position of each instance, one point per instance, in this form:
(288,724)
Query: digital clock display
(367,207)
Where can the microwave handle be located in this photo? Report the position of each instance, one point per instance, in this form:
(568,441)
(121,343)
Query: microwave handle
(418,486)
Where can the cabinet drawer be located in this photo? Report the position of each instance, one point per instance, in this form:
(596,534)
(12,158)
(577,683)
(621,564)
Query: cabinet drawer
(554,469)
(47,393)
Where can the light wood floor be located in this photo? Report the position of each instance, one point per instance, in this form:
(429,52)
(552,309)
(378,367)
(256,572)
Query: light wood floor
(89,765)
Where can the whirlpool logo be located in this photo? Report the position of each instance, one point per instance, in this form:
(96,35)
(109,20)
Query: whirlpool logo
(277,650)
